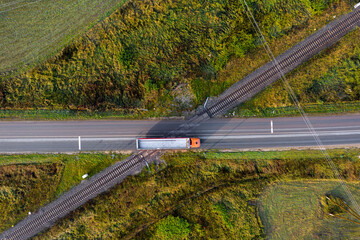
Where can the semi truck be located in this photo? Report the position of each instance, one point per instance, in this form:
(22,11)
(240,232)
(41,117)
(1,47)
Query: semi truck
(166,143)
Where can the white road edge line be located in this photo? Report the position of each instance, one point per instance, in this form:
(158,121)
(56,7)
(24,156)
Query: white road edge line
(283,135)
(87,139)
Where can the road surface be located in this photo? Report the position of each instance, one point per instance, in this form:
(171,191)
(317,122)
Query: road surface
(62,136)
(116,135)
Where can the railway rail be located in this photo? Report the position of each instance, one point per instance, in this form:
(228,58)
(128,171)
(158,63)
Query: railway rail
(236,94)
(287,61)
(77,196)
(270,72)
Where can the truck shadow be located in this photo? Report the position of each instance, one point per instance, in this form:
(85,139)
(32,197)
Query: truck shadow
(211,132)
(162,128)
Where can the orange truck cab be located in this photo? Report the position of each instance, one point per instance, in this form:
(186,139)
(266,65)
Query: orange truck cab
(194,142)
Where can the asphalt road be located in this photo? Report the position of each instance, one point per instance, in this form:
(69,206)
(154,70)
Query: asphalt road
(62,136)
(218,133)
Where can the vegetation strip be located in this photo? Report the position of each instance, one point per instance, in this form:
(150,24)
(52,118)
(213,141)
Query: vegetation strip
(117,50)
(176,196)
(31,34)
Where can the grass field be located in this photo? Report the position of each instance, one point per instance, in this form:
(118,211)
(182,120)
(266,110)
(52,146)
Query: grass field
(239,112)
(139,56)
(33,30)
(239,67)
(30,181)
(293,210)
(290,111)
(62,114)
(327,83)
(198,195)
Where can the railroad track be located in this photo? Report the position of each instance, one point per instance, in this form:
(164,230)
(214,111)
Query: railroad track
(236,94)
(77,196)
(269,73)
(288,61)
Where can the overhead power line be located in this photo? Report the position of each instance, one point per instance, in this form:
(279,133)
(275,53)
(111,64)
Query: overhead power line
(307,121)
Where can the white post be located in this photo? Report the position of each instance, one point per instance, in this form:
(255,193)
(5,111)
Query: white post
(206,101)
(79,143)
(272,127)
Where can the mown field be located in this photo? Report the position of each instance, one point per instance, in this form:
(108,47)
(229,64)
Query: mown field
(196,195)
(149,55)
(32,31)
(288,205)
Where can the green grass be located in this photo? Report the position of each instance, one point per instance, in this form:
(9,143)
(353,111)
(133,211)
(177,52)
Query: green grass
(29,159)
(189,198)
(47,114)
(290,111)
(75,166)
(135,58)
(24,188)
(196,195)
(171,227)
(352,155)
(293,210)
(239,67)
(210,196)
(327,83)
(30,181)
(31,31)
(139,55)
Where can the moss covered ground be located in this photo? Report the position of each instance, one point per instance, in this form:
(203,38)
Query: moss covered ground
(294,210)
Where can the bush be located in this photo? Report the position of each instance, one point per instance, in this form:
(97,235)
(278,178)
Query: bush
(143,49)
(172,228)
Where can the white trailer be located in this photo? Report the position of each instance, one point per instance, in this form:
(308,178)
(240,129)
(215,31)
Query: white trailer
(166,143)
